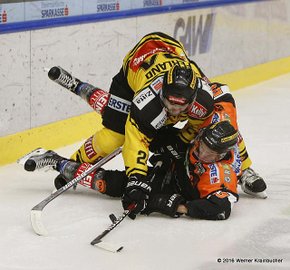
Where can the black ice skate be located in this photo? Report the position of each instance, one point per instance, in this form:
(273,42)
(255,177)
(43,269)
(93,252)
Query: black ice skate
(64,78)
(61,181)
(253,184)
(40,158)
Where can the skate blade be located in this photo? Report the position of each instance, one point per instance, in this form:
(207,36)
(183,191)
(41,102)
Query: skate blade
(35,152)
(259,195)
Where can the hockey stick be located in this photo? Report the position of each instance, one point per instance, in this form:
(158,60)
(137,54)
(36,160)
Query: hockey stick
(116,221)
(36,211)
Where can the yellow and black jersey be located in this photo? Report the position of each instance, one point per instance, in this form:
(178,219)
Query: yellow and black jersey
(148,115)
(153,55)
(143,71)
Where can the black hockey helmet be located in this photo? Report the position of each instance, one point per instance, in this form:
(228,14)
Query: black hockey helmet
(179,85)
(220,136)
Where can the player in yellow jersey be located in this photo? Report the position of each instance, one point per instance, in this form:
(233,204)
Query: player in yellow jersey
(158,85)
(202,184)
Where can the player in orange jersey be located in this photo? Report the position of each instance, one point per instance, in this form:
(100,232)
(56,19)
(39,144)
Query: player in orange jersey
(158,85)
(202,184)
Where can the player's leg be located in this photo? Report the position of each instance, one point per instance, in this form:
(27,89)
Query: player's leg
(94,96)
(251,182)
(99,145)
(107,182)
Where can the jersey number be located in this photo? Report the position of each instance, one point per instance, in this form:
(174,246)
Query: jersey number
(141,159)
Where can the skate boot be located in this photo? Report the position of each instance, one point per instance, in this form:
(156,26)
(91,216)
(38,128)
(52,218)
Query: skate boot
(253,184)
(37,151)
(64,78)
(93,180)
(39,160)
(61,181)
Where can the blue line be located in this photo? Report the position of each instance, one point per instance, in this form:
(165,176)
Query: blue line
(72,20)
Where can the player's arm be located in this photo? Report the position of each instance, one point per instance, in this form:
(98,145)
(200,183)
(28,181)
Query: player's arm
(216,206)
(221,93)
(135,155)
(135,149)
(217,191)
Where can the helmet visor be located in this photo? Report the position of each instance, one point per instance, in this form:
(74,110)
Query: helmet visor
(207,155)
(173,108)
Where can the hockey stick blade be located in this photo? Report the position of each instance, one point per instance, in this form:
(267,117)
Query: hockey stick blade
(36,211)
(36,222)
(108,246)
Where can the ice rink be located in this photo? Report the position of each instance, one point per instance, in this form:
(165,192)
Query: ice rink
(257,231)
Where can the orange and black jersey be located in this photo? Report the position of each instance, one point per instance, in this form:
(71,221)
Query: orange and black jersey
(199,180)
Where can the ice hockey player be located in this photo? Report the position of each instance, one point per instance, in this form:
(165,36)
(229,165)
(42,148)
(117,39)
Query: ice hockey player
(157,85)
(202,184)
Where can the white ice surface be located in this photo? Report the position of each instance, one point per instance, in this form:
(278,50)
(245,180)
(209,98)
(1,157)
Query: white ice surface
(257,229)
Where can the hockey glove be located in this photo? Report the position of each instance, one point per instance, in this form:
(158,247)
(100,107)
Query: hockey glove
(165,204)
(168,143)
(212,208)
(136,194)
(166,162)
(166,133)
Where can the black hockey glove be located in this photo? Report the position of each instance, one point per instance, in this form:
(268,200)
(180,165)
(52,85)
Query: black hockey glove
(165,204)
(136,195)
(166,162)
(168,143)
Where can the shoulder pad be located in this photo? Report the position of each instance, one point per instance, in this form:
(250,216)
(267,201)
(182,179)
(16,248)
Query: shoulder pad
(219,90)
(204,86)
(203,106)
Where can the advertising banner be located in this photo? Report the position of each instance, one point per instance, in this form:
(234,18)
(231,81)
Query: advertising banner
(10,13)
(29,11)
(38,10)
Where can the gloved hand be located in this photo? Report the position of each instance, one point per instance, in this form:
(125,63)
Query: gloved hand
(167,143)
(164,159)
(166,204)
(136,194)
